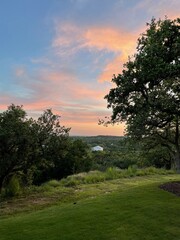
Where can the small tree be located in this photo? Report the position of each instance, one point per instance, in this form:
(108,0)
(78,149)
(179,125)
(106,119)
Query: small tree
(26,144)
(52,141)
(147,93)
(16,145)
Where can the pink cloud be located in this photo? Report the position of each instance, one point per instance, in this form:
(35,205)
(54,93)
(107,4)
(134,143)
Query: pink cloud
(110,39)
(66,86)
(71,38)
(94,129)
(69,35)
(77,102)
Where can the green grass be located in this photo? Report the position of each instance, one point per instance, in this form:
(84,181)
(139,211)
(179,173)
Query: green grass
(123,209)
(109,174)
(73,187)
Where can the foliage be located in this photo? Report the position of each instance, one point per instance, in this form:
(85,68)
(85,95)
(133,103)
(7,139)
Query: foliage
(70,157)
(52,139)
(146,95)
(41,149)
(123,152)
(16,142)
(109,143)
(12,187)
(104,160)
(79,156)
(53,183)
(154,154)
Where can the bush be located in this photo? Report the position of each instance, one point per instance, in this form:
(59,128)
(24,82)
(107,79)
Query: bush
(71,182)
(112,173)
(13,187)
(132,170)
(53,183)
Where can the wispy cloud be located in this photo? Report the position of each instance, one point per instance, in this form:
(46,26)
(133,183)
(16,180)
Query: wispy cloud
(71,39)
(62,91)
(73,71)
(160,9)
(54,84)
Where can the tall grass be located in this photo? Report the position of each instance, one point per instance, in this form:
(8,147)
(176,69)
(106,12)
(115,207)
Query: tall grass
(96,177)
(110,174)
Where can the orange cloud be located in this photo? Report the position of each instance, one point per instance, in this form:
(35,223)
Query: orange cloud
(79,103)
(71,36)
(66,86)
(94,129)
(110,39)
(121,43)
(114,67)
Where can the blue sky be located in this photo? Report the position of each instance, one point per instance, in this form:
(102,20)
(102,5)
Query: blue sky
(61,54)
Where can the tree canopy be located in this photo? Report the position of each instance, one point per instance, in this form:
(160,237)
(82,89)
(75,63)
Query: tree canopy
(147,92)
(13,141)
(39,147)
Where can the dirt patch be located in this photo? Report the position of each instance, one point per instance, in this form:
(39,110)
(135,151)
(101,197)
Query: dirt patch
(173,187)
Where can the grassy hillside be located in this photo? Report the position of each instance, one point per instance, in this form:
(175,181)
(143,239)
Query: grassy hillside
(131,208)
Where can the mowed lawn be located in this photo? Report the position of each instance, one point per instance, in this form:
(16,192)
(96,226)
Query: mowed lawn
(137,211)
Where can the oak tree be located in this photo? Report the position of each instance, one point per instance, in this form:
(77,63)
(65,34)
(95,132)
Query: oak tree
(147,92)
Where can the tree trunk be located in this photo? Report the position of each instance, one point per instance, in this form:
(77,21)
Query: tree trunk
(177,161)
(177,155)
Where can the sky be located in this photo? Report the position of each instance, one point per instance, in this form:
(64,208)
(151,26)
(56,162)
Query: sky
(62,54)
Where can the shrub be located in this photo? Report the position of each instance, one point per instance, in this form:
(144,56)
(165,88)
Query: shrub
(53,183)
(13,187)
(112,173)
(131,171)
(71,182)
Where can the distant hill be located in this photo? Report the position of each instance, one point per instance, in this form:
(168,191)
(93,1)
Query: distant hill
(106,141)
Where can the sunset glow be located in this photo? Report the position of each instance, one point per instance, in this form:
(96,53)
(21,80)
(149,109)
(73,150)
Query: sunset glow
(62,55)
